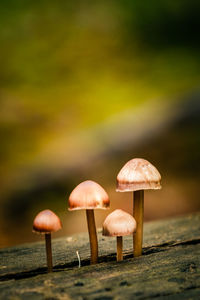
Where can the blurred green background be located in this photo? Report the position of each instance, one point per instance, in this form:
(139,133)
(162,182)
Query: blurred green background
(84,87)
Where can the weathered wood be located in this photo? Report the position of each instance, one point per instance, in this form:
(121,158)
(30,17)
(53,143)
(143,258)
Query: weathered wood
(168,269)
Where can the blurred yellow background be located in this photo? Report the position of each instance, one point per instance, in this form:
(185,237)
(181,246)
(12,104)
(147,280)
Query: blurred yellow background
(84,87)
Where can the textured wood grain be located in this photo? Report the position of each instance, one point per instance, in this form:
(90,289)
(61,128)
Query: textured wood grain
(168,269)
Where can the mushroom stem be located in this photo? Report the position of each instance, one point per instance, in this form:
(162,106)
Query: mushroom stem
(138,213)
(119,248)
(48,252)
(92,236)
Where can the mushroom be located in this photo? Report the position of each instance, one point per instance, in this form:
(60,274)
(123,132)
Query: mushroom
(89,195)
(46,222)
(119,223)
(138,175)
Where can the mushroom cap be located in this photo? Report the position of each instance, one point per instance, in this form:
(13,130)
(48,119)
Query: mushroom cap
(119,223)
(88,195)
(46,221)
(138,174)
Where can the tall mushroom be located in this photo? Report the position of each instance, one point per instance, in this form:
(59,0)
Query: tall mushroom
(89,195)
(46,222)
(119,223)
(136,176)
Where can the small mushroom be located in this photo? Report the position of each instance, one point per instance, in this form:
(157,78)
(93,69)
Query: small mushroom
(89,195)
(138,175)
(46,222)
(119,223)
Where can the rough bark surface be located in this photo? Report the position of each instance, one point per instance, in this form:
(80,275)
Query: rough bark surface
(168,269)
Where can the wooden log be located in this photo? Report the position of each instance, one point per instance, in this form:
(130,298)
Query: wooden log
(168,269)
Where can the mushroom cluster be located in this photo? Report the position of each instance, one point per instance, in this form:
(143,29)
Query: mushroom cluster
(135,176)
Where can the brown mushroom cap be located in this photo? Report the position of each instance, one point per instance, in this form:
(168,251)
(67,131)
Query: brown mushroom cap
(138,174)
(119,223)
(88,195)
(46,221)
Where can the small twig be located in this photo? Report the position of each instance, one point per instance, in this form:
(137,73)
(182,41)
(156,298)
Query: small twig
(79,260)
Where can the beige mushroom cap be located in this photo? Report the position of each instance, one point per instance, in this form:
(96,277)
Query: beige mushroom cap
(46,221)
(88,195)
(119,223)
(138,174)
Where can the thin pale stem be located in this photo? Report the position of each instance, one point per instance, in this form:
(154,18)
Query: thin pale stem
(119,248)
(49,252)
(138,213)
(92,236)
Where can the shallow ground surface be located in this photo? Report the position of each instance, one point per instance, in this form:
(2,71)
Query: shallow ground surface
(168,269)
